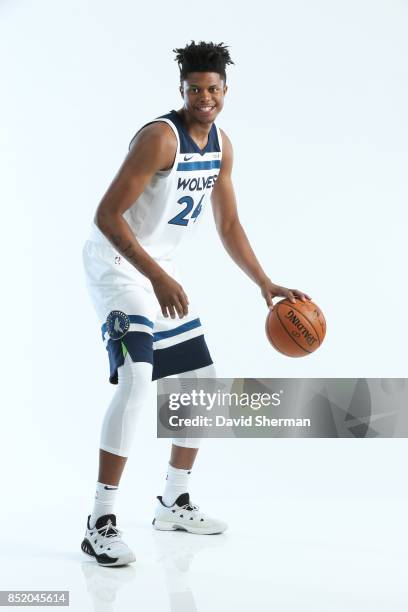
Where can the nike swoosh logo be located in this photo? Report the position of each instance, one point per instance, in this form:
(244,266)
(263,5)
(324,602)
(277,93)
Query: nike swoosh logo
(187,158)
(110,488)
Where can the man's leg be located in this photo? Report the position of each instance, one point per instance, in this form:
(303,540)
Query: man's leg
(102,537)
(184,450)
(174,509)
(118,430)
(182,457)
(110,467)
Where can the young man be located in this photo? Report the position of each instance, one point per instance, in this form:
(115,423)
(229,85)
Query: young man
(175,164)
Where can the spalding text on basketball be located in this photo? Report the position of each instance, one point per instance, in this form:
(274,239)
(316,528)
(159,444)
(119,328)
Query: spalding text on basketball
(310,339)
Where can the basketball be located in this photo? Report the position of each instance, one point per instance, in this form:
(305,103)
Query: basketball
(295,329)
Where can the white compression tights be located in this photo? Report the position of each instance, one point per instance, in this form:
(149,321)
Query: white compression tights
(131,394)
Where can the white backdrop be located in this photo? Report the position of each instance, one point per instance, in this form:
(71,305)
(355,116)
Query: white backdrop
(316,111)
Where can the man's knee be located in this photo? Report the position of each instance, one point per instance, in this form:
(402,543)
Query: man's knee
(137,374)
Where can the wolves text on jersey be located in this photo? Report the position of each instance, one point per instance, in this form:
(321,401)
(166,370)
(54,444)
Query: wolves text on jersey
(196,183)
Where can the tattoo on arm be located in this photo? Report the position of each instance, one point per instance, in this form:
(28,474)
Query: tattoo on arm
(126,249)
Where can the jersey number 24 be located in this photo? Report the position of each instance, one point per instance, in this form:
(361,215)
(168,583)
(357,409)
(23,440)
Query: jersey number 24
(182,217)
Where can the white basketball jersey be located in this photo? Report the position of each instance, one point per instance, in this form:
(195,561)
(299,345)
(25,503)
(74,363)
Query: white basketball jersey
(174,200)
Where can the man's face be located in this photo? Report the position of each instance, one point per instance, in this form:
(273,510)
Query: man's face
(203,95)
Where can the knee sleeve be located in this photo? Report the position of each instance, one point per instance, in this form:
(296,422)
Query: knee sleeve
(131,394)
(187,382)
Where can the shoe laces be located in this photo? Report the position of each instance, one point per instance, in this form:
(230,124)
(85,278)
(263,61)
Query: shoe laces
(110,531)
(190,506)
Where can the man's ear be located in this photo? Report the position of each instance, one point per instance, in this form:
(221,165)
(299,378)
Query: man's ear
(225,89)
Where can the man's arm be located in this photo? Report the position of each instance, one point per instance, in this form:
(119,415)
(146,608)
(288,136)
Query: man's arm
(232,233)
(153,149)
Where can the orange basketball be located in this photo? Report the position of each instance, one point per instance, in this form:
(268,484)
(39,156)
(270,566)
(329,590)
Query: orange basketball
(296,328)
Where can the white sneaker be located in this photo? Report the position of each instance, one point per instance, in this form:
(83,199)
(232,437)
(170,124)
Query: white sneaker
(104,542)
(186,516)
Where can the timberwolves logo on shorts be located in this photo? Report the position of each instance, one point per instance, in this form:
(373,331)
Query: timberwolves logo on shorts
(117,324)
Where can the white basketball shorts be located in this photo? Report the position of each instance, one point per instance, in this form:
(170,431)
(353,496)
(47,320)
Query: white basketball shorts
(131,319)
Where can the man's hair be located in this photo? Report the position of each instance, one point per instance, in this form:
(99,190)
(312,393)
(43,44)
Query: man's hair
(203,57)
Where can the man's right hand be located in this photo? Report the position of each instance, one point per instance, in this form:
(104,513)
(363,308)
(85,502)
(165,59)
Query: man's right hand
(171,296)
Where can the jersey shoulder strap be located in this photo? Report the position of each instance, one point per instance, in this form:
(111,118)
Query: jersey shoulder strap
(167,119)
(185,142)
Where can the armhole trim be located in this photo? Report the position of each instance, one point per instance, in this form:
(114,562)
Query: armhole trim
(220,143)
(174,128)
(219,139)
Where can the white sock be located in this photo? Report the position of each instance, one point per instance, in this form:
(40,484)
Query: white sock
(105,496)
(176,484)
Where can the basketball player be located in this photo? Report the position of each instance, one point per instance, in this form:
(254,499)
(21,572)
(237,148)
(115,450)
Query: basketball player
(176,163)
